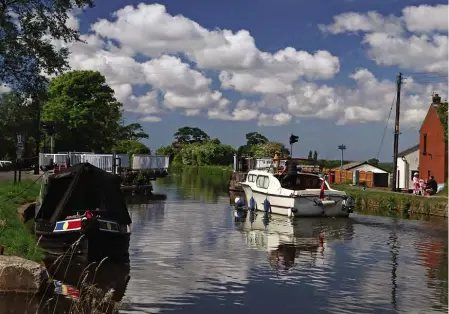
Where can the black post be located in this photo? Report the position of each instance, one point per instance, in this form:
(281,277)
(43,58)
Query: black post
(114,162)
(20,170)
(396,133)
(15,172)
(37,105)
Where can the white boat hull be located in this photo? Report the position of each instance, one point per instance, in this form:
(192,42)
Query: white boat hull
(302,206)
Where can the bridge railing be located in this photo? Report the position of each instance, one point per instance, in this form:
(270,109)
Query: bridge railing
(104,161)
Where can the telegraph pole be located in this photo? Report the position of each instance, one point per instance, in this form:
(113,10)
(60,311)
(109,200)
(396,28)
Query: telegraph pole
(37,106)
(342,148)
(396,133)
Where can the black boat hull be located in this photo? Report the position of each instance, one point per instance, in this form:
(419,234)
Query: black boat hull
(91,247)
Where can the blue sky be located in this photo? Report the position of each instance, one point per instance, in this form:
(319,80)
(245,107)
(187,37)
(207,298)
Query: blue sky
(275,25)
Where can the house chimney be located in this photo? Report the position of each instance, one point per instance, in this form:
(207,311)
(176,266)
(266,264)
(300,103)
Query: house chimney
(436,100)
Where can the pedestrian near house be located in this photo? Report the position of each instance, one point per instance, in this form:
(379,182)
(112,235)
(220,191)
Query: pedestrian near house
(422,186)
(415,184)
(431,186)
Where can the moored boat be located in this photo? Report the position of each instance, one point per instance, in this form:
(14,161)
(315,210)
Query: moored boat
(83,214)
(309,196)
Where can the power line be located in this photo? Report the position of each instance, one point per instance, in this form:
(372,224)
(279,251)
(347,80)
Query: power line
(386,126)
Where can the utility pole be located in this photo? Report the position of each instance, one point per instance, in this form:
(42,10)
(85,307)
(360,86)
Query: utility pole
(341,147)
(37,106)
(396,133)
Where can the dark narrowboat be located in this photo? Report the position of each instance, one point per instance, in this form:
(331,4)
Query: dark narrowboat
(83,215)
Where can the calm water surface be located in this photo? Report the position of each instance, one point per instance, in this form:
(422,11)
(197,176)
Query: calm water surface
(192,253)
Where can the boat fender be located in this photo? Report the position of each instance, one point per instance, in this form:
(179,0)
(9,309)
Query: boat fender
(289,212)
(266,205)
(238,202)
(327,203)
(252,203)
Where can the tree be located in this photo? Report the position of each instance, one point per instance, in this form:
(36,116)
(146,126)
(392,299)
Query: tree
(315,156)
(132,132)
(442,114)
(210,153)
(17,116)
(373,161)
(310,156)
(84,111)
(165,150)
(27,28)
(269,150)
(131,147)
(189,135)
(255,138)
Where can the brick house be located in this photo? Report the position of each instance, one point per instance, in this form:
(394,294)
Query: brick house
(433,153)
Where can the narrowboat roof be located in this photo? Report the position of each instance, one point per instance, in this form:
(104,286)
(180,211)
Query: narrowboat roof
(81,187)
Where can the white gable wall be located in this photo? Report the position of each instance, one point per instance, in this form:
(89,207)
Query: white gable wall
(367,167)
(405,169)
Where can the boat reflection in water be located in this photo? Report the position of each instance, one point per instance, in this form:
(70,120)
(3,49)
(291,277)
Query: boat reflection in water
(292,242)
(97,287)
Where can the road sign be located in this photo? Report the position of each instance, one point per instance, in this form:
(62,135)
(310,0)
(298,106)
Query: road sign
(20,141)
(19,153)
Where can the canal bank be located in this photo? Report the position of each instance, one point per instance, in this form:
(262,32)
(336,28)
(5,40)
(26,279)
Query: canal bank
(15,236)
(380,200)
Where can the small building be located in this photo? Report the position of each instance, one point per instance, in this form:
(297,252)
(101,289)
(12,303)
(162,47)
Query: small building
(433,156)
(362,166)
(408,164)
(378,177)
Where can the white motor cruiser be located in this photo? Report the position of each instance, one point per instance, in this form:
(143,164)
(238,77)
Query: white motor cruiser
(310,196)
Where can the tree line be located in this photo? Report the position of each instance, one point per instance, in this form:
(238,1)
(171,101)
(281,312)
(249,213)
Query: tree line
(78,109)
(193,146)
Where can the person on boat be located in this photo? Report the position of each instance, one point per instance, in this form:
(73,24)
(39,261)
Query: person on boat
(416,183)
(431,186)
(290,172)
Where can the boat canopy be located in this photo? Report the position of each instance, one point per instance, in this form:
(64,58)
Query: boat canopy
(84,187)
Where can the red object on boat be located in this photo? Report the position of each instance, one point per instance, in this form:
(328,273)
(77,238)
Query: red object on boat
(88,214)
(322,189)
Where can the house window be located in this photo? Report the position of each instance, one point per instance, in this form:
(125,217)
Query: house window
(425,145)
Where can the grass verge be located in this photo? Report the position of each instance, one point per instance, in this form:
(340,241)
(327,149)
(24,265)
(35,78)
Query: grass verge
(386,201)
(14,235)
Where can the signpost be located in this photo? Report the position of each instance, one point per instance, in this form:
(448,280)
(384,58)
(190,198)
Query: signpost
(20,147)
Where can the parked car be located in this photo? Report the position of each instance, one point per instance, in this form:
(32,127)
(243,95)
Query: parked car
(6,165)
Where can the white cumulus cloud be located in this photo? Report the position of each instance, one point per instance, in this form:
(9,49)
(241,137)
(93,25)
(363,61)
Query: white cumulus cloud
(158,62)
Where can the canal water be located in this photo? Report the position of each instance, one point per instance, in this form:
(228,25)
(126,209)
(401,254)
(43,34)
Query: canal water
(192,253)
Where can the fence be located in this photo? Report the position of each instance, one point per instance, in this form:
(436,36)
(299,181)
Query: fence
(104,161)
(369,178)
(150,162)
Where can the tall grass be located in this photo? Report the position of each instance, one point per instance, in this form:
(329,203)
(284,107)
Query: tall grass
(14,235)
(92,299)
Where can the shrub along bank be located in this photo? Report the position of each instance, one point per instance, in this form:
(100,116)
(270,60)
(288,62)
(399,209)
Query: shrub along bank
(15,236)
(372,200)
